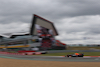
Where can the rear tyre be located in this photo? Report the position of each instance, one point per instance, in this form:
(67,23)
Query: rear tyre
(67,55)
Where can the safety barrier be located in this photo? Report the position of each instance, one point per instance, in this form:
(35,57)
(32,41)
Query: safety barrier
(27,53)
(11,53)
(33,53)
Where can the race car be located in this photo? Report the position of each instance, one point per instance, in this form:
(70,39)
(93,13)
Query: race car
(75,55)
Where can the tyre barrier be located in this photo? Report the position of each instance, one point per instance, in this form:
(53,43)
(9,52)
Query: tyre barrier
(35,53)
(32,53)
(11,53)
(27,53)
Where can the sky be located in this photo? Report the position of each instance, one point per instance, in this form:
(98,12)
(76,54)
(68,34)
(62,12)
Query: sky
(77,21)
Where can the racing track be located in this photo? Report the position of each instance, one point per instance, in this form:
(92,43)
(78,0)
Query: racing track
(52,58)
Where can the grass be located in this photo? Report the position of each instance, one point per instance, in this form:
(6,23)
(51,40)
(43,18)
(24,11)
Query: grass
(66,53)
(82,48)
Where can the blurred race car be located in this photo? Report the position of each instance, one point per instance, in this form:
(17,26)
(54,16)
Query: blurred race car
(75,55)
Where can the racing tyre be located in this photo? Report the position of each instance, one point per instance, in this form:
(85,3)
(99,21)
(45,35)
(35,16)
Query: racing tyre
(67,55)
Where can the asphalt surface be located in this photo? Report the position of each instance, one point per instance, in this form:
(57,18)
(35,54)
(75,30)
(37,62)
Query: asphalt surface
(52,58)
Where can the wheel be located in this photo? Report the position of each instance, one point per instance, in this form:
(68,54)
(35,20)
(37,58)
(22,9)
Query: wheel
(67,55)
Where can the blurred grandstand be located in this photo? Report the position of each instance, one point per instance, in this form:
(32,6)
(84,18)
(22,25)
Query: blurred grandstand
(42,35)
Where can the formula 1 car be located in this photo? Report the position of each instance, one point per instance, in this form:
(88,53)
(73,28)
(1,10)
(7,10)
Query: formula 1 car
(74,55)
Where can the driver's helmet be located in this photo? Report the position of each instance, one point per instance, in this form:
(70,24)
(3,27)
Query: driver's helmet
(76,53)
